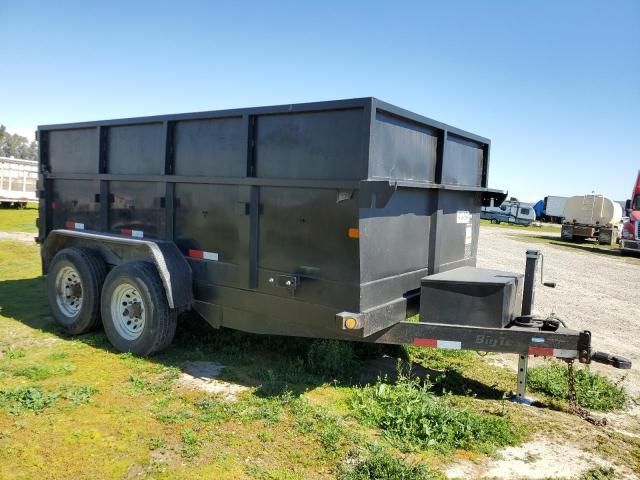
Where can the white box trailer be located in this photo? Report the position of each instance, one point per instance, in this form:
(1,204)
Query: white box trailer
(554,208)
(18,179)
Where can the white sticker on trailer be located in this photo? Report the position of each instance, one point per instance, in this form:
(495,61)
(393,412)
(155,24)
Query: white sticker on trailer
(565,353)
(463,216)
(468,234)
(450,344)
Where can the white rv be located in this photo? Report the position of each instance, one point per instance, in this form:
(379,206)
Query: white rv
(511,211)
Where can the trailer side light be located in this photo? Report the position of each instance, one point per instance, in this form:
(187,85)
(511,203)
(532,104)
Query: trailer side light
(354,233)
(350,323)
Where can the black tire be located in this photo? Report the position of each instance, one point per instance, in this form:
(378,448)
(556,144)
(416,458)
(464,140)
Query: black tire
(158,326)
(91,270)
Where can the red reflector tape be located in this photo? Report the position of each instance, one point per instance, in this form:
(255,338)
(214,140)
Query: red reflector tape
(434,343)
(196,254)
(201,255)
(426,342)
(542,351)
(132,233)
(74,225)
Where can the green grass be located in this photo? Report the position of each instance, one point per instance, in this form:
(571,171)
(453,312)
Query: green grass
(531,228)
(77,398)
(23,220)
(413,418)
(593,390)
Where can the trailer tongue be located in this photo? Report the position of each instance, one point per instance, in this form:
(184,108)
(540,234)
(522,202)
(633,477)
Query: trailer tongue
(466,298)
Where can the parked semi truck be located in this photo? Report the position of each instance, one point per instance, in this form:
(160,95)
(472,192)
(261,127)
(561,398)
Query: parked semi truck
(18,180)
(630,241)
(330,220)
(591,216)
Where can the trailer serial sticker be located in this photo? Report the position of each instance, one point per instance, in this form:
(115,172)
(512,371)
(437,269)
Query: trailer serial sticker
(463,216)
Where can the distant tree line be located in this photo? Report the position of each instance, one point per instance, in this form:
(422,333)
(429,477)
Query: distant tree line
(14,145)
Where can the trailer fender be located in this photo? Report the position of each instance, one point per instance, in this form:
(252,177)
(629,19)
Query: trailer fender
(172,267)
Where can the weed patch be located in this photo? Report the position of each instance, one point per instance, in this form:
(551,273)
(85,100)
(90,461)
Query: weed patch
(599,473)
(381,465)
(33,398)
(593,390)
(79,395)
(161,384)
(190,443)
(20,399)
(13,353)
(412,418)
(212,410)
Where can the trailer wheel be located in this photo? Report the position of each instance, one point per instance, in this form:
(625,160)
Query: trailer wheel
(135,312)
(74,282)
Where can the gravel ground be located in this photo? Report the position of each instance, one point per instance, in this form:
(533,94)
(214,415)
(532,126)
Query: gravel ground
(595,291)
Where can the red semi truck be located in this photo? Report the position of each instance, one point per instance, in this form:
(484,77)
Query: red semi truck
(630,242)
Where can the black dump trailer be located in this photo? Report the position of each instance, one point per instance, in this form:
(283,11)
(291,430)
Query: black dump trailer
(334,220)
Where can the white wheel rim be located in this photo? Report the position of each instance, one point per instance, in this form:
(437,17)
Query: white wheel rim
(128,311)
(68,291)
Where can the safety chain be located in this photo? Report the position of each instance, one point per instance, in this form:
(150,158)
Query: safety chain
(573,400)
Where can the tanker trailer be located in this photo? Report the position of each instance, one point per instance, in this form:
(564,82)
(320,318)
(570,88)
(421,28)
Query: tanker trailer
(591,216)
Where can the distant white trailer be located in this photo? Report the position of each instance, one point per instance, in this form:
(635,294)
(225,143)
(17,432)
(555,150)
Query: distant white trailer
(18,179)
(511,211)
(554,208)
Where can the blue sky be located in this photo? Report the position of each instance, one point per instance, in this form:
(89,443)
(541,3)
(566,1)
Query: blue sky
(554,85)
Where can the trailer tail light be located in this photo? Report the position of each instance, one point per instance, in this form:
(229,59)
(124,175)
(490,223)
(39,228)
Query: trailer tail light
(354,233)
